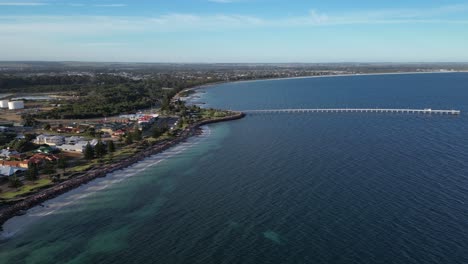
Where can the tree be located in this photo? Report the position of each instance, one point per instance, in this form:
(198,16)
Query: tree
(129,139)
(165,103)
(100,149)
(29,120)
(62,164)
(89,152)
(49,169)
(47,127)
(157,132)
(110,146)
(137,135)
(14,182)
(33,172)
(55,178)
(91,131)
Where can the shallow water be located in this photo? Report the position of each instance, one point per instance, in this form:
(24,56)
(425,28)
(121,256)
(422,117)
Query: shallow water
(283,188)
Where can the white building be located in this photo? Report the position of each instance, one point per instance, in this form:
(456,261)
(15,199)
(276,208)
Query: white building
(6,153)
(6,171)
(3,103)
(15,105)
(73,139)
(50,140)
(78,146)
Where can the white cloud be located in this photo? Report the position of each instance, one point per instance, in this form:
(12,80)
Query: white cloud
(177,22)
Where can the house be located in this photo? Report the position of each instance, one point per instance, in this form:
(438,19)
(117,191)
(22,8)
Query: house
(46,150)
(40,159)
(55,140)
(49,140)
(6,171)
(6,153)
(20,136)
(18,164)
(78,146)
(73,140)
(40,139)
(147,119)
(4,129)
(118,133)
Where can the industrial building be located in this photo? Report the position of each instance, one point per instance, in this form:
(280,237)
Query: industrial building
(15,105)
(3,103)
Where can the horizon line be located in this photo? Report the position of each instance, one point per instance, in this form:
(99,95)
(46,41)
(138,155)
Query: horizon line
(221,62)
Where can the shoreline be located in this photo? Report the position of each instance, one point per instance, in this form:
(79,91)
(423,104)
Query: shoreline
(18,208)
(209,85)
(37,199)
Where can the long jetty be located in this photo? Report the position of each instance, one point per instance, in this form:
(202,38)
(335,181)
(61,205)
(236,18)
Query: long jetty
(354,110)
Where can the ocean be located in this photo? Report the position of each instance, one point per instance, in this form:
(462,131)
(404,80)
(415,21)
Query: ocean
(280,188)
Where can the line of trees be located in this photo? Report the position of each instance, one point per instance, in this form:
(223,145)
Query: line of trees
(98,151)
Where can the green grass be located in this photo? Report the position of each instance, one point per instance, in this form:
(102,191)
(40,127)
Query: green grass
(27,188)
(81,168)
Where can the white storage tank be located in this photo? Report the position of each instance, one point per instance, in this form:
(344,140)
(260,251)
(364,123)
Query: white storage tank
(3,103)
(14,105)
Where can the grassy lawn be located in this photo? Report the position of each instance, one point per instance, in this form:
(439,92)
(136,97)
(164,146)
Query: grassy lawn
(26,189)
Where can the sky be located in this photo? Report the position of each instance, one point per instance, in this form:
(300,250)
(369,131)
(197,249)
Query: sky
(234,31)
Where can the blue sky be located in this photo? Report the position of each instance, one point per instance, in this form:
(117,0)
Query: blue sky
(234,30)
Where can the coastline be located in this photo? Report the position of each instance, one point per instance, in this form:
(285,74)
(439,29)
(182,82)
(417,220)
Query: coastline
(38,198)
(317,76)
(84,178)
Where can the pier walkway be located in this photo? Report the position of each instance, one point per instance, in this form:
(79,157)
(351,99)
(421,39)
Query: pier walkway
(355,110)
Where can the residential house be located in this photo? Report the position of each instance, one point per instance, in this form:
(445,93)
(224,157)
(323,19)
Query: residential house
(4,129)
(18,164)
(40,159)
(73,139)
(49,140)
(78,146)
(6,171)
(147,119)
(46,150)
(7,153)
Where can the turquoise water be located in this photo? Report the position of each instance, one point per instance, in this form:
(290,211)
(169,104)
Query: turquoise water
(280,188)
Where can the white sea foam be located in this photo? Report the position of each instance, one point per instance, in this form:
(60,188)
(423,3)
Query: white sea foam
(55,205)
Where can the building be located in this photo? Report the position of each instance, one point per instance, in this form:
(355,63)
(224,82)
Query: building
(147,119)
(15,105)
(3,103)
(54,140)
(6,153)
(50,140)
(78,146)
(4,129)
(40,159)
(73,139)
(18,164)
(118,133)
(45,150)
(6,171)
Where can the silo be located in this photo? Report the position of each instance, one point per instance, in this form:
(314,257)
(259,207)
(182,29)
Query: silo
(3,103)
(15,105)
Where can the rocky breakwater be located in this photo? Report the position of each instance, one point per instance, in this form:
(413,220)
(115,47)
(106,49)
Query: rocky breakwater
(38,198)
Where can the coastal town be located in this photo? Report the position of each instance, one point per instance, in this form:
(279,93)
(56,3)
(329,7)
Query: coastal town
(40,156)
(61,127)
